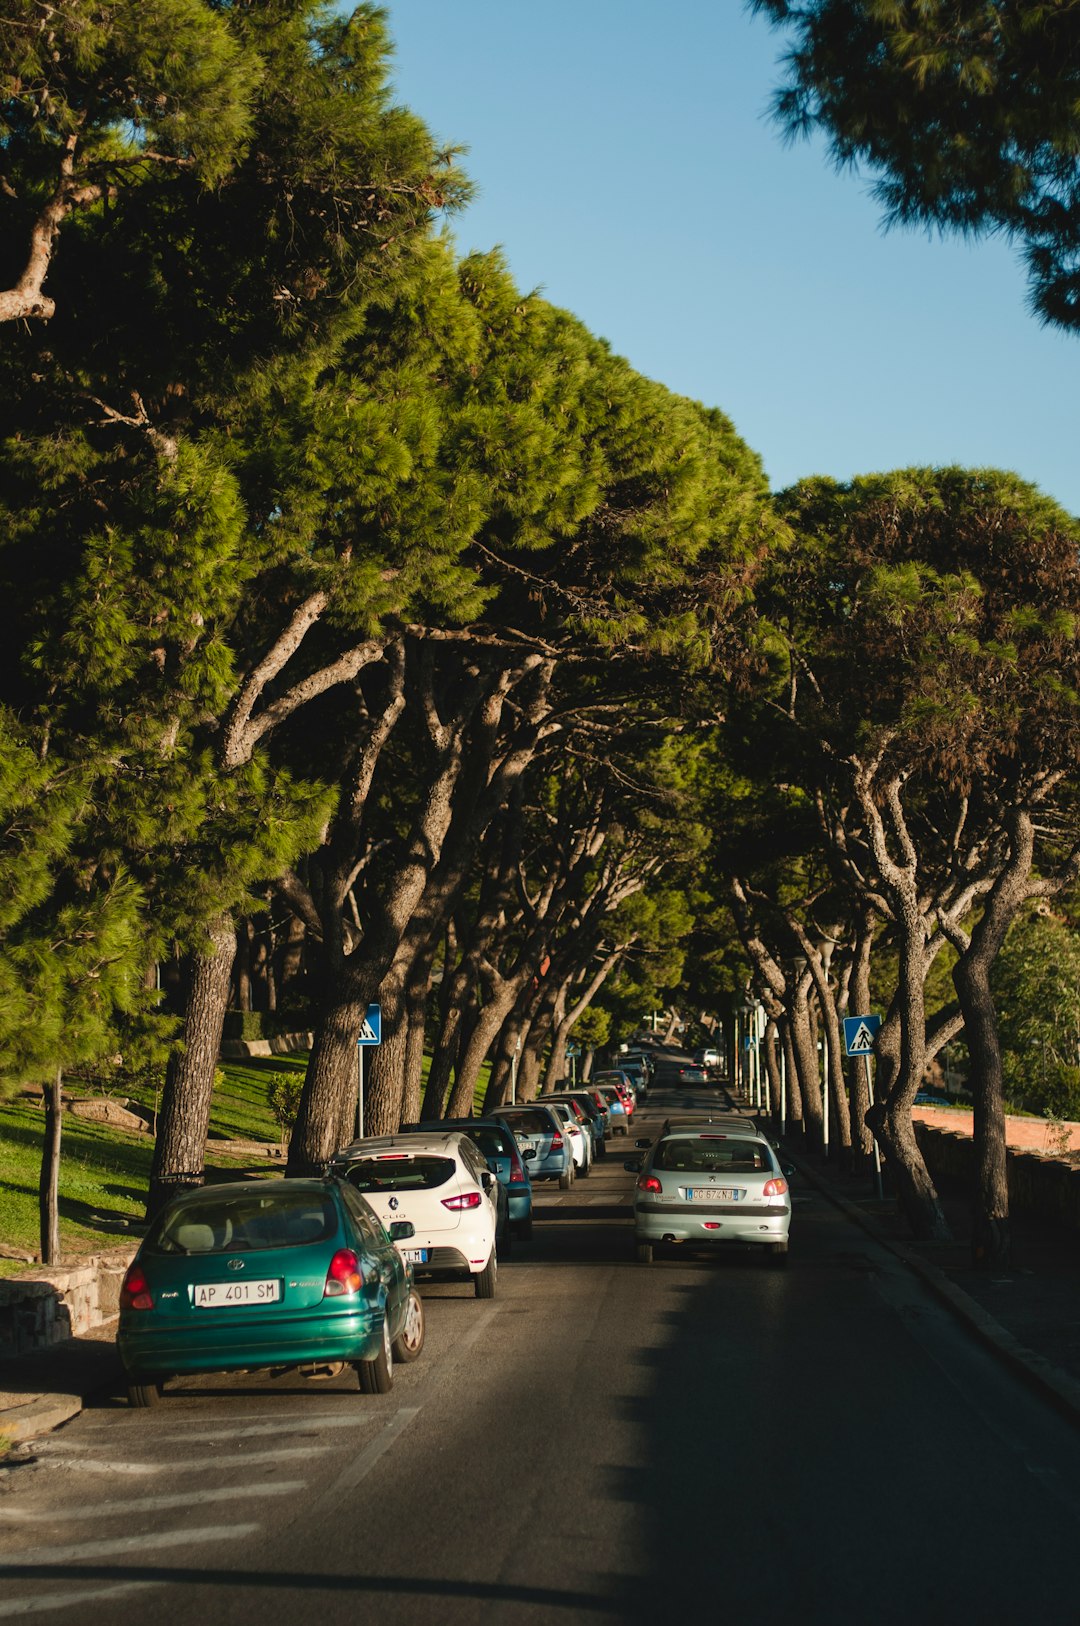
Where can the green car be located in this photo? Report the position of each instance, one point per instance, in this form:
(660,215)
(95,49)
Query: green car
(268,1273)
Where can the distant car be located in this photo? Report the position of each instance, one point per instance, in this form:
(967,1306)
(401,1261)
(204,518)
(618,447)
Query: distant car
(615,1077)
(709,1056)
(502,1155)
(619,1116)
(711,1187)
(540,1133)
(589,1102)
(267,1273)
(440,1183)
(578,1128)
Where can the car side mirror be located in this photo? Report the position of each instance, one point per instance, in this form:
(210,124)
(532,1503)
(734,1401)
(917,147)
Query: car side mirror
(789,1168)
(644,1144)
(401,1230)
(529,1152)
(487,1180)
(632,1165)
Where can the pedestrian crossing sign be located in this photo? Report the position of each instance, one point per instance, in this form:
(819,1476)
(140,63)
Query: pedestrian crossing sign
(371,1026)
(859,1034)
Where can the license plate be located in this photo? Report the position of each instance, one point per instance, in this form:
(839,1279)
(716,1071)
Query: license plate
(415,1256)
(712,1194)
(209,1295)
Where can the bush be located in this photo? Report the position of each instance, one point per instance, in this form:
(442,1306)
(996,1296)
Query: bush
(283,1099)
(245,1025)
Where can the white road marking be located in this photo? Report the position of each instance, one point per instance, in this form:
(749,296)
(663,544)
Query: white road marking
(118,1546)
(87,1465)
(158,1504)
(362,1465)
(37,1603)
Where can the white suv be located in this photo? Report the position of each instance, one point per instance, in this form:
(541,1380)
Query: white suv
(443,1186)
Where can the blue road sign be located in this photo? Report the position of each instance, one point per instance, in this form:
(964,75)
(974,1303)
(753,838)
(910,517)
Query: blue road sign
(859,1034)
(371,1026)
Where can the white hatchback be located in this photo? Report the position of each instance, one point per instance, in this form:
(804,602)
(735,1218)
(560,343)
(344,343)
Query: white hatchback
(441,1184)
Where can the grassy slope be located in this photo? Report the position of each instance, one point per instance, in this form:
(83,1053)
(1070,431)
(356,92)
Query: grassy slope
(104,1172)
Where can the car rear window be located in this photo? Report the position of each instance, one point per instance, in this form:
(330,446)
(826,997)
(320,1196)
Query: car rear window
(215,1224)
(489,1141)
(530,1123)
(722,1155)
(400,1171)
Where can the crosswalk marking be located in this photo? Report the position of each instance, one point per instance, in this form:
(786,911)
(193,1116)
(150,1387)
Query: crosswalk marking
(116,1546)
(158,1504)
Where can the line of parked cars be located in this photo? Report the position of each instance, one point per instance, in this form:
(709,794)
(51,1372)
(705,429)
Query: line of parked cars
(319,1274)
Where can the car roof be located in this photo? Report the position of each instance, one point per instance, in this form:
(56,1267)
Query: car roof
(279,1187)
(446,1141)
(727,1122)
(464,1125)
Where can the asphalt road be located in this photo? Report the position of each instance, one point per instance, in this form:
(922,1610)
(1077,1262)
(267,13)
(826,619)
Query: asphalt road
(702,1439)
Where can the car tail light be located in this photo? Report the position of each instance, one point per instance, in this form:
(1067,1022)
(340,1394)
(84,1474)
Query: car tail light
(517,1170)
(344,1275)
(556,1142)
(135,1293)
(649,1182)
(774,1188)
(468,1199)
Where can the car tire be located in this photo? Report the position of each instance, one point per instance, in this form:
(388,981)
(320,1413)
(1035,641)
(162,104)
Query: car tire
(377,1376)
(484,1284)
(644,1253)
(586,1169)
(410,1340)
(778,1254)
(145,1393)
(525,1229)
(504,1242)
(566,1179)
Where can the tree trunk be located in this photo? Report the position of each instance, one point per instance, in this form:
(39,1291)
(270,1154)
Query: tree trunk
(991,1242)
(184,1118)
(862,1140)
(49,1182)
(324,1120)
(796,1124)
(243,965)
(772,1069)
(806,1063)
(416,1003)
(384,1082)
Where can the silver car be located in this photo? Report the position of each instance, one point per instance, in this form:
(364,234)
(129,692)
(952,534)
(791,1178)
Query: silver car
(710,1186)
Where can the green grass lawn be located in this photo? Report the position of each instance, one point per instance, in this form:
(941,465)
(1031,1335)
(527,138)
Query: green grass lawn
(104,1172)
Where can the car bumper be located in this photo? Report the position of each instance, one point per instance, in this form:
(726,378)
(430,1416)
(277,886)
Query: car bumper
(520,1204)
(233,1345)
(447,1263)
(712,1224)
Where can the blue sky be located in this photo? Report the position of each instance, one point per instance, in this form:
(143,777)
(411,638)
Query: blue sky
(625,162)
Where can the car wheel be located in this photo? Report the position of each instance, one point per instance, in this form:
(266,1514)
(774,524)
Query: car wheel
(505,1242)
(410,1340)
(585,1170)
(524,1229)
(377,1376)
(644,1253)
(144,1394)
(566,1179)
(778,1254)
(484,1284)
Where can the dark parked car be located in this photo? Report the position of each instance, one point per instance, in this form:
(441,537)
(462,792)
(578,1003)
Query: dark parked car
(267,1273)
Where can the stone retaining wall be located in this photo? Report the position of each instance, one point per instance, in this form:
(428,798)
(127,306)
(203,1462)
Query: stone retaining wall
(60,1302)
(282,1044)
(1048,1188)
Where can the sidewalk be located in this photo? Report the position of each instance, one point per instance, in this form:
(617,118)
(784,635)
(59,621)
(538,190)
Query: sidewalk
(1029,1315)
(40,1391)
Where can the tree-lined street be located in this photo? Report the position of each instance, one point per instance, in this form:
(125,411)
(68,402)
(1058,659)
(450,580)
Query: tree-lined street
(604,1440)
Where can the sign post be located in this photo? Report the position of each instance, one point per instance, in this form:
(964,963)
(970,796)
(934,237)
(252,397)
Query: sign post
(370,1033)
(860,1032)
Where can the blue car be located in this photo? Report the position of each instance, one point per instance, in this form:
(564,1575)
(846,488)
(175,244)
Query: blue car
(540,1135)
(502,1155)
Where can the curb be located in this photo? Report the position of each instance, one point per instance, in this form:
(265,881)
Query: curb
(1050,1381)
(41,1416)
